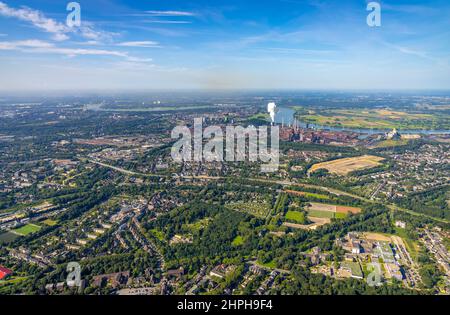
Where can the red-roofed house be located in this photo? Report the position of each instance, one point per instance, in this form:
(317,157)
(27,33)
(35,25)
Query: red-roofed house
(4,272)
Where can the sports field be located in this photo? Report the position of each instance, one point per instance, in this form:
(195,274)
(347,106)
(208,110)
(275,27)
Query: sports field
(321,214)
(27,229)
(348,165)
(323,210)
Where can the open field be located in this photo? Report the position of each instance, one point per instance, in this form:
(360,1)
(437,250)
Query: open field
(348,165)
(375,119)
(321,214)
(306,194)
(295,216)
(376,237)
(27,229)
(322,210)
(339,215)
(314,206)
(345,209)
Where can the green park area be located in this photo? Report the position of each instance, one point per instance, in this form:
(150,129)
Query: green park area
(296,216)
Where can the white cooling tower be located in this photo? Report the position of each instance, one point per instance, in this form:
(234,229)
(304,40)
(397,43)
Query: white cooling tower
(271,110)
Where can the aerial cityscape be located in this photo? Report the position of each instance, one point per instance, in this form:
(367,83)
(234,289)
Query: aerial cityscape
(281,162)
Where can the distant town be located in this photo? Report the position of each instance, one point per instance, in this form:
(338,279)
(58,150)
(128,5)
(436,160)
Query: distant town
(351,210)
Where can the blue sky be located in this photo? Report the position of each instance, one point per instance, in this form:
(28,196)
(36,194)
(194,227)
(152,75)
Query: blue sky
(224,44)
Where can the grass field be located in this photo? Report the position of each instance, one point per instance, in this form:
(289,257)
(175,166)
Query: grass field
(27,229)
(339,215)
(306,194)
(270,264)
(348,165)
(321,214)
(323,210)
(296,216)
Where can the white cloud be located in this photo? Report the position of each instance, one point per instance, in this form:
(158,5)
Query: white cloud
(139,60)
(43,47)
(139,44)
(31,43)
(170,13)
(59,30)
(38,46)
(38,19)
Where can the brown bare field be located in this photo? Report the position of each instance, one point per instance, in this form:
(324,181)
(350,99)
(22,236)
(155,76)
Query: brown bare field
(322,207)
(319,221)
(347,165)
(296,226)
(333,208)
(344,209)
(376,237)
(316,223)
